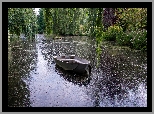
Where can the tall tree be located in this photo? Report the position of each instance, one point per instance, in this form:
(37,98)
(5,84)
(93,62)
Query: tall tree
(22,20)
(94,20)
(41,22)
(63,21)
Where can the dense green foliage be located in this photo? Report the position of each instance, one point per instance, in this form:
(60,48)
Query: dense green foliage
(128,30)
(113,33)
(131,19)
(92,18)
(73,21)
(41,22)
(22,20)
(62,21)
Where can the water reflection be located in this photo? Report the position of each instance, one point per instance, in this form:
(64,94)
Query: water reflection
(77,79)
(117,81)
(22,63)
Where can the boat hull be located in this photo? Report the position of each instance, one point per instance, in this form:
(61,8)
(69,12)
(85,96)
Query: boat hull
(76,64)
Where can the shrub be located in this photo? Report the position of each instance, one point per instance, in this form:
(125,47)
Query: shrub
(124,39)
(112,32)
(134,39)
(139,40)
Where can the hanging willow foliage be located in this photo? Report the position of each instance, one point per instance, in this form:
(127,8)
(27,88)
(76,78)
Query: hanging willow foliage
(72,21)
(94,20)
(22,20)
(62,21)
(41,22)
(48,19)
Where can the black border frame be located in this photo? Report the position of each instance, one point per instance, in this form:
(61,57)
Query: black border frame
(6,5)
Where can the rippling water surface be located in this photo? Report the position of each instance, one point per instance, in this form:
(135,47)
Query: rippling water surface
(34,80)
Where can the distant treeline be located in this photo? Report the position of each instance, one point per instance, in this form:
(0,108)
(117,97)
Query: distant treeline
(125,26)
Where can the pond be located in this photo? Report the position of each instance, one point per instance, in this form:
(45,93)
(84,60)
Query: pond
(120,79)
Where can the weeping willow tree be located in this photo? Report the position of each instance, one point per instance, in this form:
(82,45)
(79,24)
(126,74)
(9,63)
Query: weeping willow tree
(62,21)
(41,22)
(47,13)
(22,20)
(92,16)
(96,28)
(73,21)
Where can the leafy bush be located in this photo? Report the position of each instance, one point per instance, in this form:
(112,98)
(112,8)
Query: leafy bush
(112,33)
(131,18)
(139,40)
(134,39)
(124,39)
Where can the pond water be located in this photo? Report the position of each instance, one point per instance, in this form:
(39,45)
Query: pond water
(120,79)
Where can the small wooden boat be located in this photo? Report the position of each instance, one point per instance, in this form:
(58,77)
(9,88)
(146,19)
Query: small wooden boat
(73,63)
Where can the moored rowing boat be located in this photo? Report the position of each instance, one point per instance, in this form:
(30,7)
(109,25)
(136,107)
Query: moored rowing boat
(74,63)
